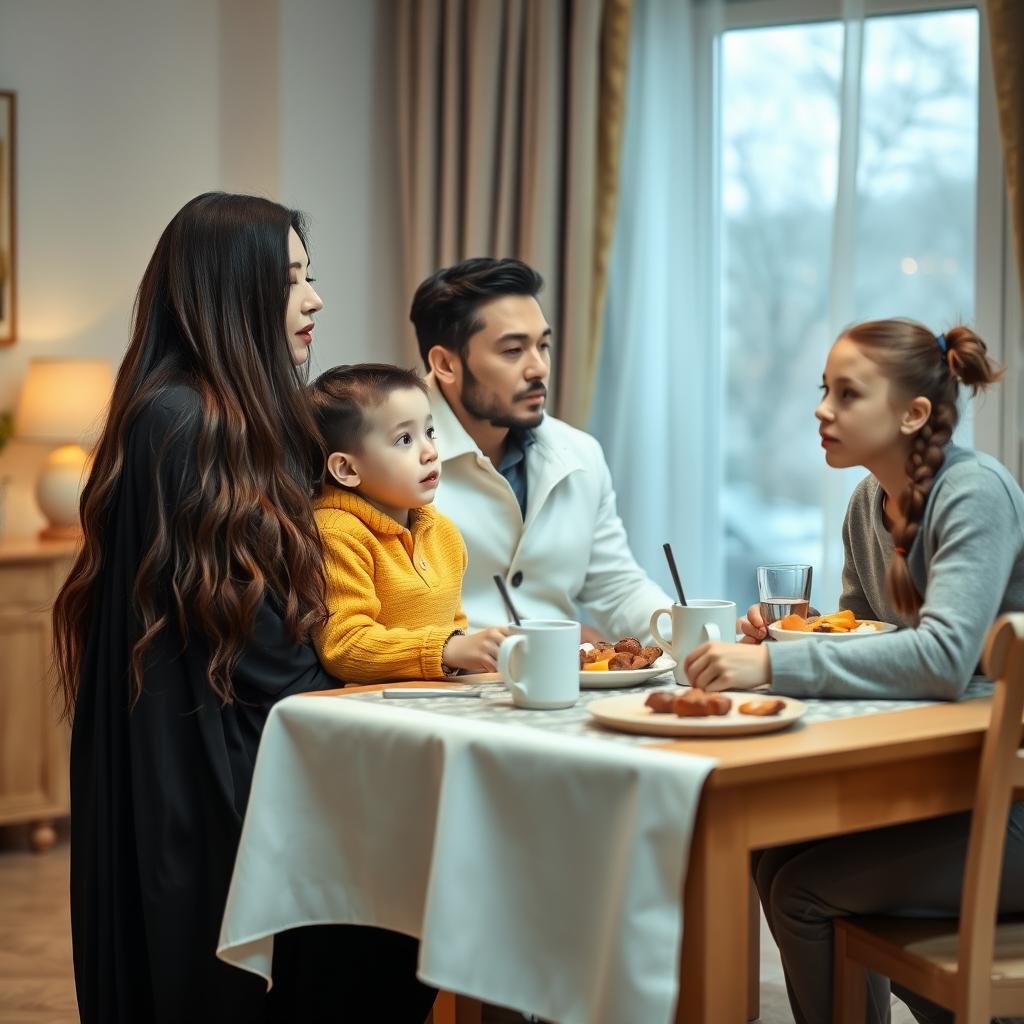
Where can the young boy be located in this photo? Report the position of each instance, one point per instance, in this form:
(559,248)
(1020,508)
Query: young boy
(392,563)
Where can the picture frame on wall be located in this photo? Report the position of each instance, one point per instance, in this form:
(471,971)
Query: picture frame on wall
(8,236)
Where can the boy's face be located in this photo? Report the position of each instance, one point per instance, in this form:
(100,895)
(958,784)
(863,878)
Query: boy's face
(396,467)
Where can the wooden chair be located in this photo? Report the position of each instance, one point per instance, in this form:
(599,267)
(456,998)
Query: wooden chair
(973,966)
(452,1009)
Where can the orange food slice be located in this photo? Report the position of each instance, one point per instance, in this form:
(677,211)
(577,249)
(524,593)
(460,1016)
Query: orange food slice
(596,666)
(838,622)
(796,623)
(837,617)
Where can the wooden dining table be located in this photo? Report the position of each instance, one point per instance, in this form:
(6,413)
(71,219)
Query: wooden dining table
(823,779)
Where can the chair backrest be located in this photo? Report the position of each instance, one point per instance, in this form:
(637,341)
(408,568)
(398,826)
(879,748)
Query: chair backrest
(1000,772)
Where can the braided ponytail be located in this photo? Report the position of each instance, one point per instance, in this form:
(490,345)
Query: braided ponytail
(919,364)
(924,463)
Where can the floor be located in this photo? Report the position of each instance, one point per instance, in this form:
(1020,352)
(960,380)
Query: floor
(36,984)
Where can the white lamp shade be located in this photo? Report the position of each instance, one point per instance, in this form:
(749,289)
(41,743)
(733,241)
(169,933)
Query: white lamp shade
(63,401)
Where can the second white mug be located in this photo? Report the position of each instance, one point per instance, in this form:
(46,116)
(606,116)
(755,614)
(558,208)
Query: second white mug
(540,663)
(696,623)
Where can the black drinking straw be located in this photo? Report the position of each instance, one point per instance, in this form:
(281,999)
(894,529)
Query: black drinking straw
(500,584)
(675,573)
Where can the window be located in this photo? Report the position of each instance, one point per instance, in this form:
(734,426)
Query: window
(848,182)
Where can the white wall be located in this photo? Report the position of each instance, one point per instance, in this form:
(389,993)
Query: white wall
(250,97)
(338,139)
(128,108)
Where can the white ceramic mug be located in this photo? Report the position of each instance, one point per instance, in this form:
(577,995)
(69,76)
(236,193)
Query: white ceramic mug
(696,623)
(540,663)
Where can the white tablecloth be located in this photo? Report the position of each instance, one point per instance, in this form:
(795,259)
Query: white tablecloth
(539,871)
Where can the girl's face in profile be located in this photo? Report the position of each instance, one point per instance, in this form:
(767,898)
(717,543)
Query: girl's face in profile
(861,417)
(303,301)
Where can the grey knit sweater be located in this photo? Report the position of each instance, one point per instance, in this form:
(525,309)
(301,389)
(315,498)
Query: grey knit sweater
(968,563)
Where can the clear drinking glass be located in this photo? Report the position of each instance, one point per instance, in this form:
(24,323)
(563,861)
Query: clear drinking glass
(783,590)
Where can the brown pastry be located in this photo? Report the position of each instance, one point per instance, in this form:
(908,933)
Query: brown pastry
(652,653)
(629,645)
(660,701)
(620,662)
(718,704)
(762,708)
(587,657)
(698,704)
(691,704)
(603,645)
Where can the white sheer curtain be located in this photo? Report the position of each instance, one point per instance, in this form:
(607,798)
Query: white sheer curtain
(775,187)
(838,486)
(658,396)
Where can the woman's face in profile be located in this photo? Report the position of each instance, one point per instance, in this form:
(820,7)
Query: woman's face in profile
(303,301)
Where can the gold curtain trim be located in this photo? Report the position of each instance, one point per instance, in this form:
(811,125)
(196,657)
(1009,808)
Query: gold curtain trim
(1006,33)
(611,114)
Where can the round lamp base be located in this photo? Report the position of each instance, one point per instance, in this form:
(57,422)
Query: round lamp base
(59,489)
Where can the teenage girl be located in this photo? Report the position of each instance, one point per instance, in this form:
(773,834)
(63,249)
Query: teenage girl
(934,541)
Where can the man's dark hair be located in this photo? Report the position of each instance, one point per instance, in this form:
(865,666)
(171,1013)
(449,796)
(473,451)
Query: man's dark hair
(444,308)
(341,398)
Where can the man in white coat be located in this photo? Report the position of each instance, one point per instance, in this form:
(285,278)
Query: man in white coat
(532,495)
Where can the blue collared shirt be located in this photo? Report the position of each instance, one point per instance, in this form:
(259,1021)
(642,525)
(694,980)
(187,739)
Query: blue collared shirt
(513,464)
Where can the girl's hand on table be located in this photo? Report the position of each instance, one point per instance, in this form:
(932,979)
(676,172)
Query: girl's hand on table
(752,627)
(477,652)
(721,666)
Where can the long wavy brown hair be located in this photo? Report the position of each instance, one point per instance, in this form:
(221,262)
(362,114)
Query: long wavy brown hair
(919,363)
(210,315)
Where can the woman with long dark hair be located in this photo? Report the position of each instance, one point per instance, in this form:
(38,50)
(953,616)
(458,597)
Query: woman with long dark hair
(185,618)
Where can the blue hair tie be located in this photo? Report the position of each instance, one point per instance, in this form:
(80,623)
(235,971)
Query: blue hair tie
(940,340)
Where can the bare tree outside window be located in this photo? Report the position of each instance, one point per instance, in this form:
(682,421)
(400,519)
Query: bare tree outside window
(781,115)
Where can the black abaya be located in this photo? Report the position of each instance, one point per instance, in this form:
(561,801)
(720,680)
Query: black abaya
(158,790)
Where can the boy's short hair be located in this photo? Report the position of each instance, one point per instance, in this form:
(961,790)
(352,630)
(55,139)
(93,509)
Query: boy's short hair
(444,308)
(342,396)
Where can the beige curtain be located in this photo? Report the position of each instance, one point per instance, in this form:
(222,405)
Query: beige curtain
(510,120)
(1006,31)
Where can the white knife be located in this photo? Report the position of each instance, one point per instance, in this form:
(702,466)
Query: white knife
(420,691)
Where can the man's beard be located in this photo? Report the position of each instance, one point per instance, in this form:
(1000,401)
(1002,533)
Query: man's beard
(478,406)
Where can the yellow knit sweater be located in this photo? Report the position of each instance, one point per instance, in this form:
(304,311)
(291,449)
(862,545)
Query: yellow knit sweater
(394,595)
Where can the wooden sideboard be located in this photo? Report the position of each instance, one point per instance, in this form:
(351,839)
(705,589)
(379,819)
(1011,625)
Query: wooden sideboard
(33,741)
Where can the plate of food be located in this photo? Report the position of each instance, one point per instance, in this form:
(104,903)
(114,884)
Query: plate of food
(606,666)
(842,625)
(683,711)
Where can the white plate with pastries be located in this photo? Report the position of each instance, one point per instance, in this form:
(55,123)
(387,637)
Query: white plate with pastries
(629,713)
(864,628)
(619,679)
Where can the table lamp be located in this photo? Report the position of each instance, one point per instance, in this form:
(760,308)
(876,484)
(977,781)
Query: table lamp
(63,402)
